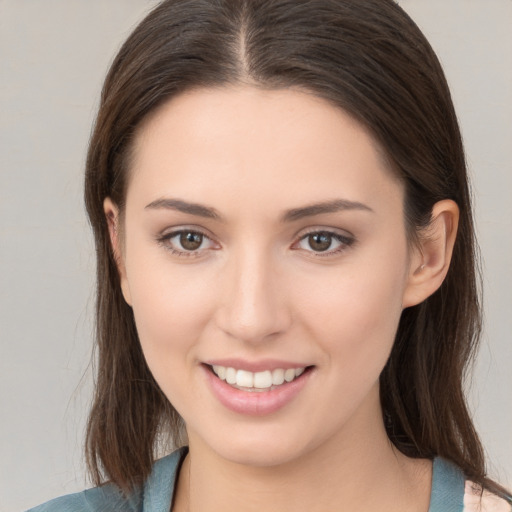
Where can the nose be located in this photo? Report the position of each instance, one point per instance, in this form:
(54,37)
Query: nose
(253,306)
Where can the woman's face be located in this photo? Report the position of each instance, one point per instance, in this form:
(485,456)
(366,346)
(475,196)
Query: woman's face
(264,238)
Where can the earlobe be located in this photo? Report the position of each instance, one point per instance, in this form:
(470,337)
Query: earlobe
(431,258)
(112,216)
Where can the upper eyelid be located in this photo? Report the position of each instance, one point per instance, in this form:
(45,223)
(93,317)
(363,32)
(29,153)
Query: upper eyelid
(318,229)
(169,232)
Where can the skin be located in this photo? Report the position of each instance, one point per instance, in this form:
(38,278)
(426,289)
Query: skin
(256,289)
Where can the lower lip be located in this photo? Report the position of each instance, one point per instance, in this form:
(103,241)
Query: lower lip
(255,403)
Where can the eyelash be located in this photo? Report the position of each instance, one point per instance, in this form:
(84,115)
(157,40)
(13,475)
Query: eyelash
(164,240)
(344,241)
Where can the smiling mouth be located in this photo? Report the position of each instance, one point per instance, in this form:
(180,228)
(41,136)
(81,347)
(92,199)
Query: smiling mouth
(266,380)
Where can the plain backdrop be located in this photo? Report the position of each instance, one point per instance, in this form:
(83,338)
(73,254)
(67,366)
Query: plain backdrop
(53,57)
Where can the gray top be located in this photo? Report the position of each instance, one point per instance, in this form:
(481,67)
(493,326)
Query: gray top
(157,493)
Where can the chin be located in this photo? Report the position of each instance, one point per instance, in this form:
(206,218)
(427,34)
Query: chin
(259,448)
(255,455)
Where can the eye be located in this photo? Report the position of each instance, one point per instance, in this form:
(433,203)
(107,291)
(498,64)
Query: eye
(190,241)
(325,242)
(186,242)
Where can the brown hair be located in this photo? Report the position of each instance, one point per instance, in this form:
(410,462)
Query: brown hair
(364,56)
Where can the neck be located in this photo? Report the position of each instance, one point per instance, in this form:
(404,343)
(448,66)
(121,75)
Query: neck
(356,469)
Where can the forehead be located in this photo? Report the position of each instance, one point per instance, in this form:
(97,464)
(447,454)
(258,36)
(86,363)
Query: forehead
(280,146)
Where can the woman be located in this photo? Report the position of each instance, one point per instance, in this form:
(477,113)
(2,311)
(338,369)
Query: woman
(286,279)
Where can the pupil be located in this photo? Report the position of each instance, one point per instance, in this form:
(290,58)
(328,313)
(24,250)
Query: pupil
(191,241)
(320,241)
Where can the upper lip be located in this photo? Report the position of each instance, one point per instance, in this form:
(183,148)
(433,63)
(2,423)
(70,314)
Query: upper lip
(255,366)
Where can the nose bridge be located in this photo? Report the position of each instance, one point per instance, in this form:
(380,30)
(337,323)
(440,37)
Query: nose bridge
(253,306)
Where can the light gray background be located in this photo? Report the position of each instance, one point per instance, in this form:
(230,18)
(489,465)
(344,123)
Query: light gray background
(53,57)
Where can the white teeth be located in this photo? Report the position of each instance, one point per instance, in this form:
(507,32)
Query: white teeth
(258,380)
(220,371)
(289,375)
(230,376)
(263,379)
(244,379)
(278,377)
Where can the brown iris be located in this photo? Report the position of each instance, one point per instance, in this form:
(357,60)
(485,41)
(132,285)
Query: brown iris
(191,241)
(320,241)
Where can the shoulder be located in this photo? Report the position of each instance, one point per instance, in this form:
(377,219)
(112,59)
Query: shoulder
(157,490)
(452,491)
(477,501)
(99,499)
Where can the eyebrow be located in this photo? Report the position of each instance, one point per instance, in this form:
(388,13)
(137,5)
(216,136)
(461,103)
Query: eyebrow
(333,206)
(292,215)
(185,207)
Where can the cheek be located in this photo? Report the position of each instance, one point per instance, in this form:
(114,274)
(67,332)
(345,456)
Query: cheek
(354,315)
(171,311)
(171,306)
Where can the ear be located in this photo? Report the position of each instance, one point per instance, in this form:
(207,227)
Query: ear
(431,257)
(113,222)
